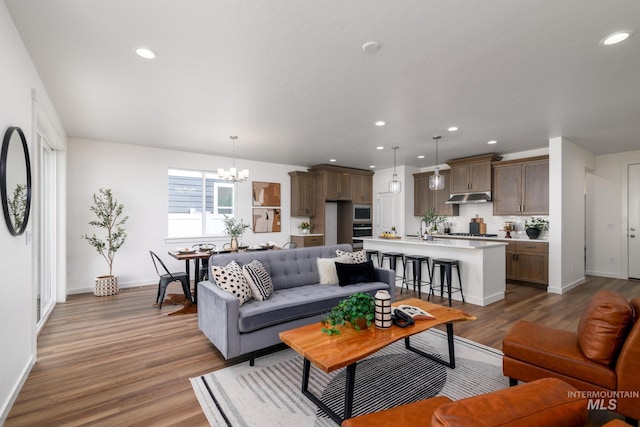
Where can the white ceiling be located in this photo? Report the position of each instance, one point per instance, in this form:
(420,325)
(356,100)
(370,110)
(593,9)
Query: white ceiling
(289,77)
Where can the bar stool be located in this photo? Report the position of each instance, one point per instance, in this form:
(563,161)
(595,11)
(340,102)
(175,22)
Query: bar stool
(416,262)
(370,253)
(446,265)
(393,261)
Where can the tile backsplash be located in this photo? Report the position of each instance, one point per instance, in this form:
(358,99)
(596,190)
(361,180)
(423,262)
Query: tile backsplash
(495,224)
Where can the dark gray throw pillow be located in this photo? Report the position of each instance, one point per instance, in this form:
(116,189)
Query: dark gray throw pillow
(349,274)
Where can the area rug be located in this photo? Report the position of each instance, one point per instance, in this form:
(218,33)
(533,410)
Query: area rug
(268,394)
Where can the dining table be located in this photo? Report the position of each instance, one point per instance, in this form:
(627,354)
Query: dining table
(197,254)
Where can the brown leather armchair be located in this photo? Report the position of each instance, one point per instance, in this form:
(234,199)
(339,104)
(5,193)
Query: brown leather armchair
(546,402)
(602,358)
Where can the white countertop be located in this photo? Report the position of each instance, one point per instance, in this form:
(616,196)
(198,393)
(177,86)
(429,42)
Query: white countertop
(497,239)
(306,234)
(442,242)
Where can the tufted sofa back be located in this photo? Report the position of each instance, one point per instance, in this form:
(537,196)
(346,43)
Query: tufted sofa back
(288,268)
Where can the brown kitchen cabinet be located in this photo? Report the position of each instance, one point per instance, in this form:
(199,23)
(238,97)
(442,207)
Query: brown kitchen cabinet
(344,184)
(424,198)
(362,189)
(303,193)
(527,261)
(521,187)
(471,173)
(306,241)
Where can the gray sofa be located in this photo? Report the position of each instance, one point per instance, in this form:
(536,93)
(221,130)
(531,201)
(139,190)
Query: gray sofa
(298,299)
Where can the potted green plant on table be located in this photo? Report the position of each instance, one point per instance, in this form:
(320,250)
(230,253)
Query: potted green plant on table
(234,228)
(108,212)
(431,221)
(358,309)
(535,226)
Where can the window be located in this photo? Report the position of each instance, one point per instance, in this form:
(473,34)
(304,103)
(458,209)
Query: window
(192,193)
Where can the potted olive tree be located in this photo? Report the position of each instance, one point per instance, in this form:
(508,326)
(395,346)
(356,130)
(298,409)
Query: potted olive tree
(108,213)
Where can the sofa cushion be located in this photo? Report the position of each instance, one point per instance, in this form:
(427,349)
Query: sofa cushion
(231,279)
(555,350)
(603,326)
(356,257)
(296,303)
(258,279)
(349,274)
(327,269)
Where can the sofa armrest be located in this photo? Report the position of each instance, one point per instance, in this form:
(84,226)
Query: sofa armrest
(545,402)
(388,276)
(218,313)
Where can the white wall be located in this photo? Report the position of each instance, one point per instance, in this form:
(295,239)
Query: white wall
(138,177)
(17,296)
(568,165)
(606,215)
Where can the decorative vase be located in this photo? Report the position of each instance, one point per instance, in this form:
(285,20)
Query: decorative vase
(234,243)
(382,317)
(533,233)
(106,285)
(305,231)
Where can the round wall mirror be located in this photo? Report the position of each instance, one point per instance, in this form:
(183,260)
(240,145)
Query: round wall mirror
(15,180)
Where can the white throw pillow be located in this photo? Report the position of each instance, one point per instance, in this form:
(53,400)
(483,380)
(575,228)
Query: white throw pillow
(327,269)
(231,279)
(356,257)
(258,279)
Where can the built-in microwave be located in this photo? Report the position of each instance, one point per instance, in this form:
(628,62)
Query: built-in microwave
(361,213)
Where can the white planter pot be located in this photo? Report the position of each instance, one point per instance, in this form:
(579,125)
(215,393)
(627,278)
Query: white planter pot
(106,285)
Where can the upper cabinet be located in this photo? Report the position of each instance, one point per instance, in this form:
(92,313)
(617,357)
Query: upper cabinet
(303,193)
(521,187)
(472,173)
(424,198)
(362,189)
(344,184)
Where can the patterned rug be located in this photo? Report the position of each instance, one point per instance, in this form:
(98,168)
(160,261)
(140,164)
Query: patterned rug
(268,394)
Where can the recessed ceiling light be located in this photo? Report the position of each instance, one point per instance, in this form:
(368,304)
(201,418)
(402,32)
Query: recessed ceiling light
(421,156)
(371,47)
(615,38)
(146,53)
(492,142)
(380,123)
(379,147)
(372,167)
(453,128)
(332,160)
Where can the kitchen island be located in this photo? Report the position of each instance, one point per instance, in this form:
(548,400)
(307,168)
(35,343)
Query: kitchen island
(482,263)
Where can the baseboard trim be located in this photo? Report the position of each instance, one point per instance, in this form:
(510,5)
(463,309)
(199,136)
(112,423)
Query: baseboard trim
(8,404)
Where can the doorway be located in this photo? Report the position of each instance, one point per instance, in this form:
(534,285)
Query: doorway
(46,261)
(633,230)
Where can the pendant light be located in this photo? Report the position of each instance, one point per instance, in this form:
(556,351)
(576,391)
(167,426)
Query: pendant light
(436,181)
(395,186)
(233,175)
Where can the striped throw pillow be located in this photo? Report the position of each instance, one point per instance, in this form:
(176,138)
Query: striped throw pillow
(258,279)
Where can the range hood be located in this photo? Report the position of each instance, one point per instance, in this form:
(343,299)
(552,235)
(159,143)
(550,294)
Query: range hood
(467,198)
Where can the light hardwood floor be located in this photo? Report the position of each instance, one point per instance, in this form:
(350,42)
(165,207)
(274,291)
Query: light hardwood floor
(118,361)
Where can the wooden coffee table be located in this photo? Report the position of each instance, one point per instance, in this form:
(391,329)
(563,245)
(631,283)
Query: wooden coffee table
(331,352)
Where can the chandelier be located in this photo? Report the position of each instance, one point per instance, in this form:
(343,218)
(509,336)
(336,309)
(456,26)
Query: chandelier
(395,186)
(436,181)
(233,175)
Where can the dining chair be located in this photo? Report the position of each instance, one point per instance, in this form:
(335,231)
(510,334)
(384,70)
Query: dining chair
(168,277)
(290,245)
(203,274)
